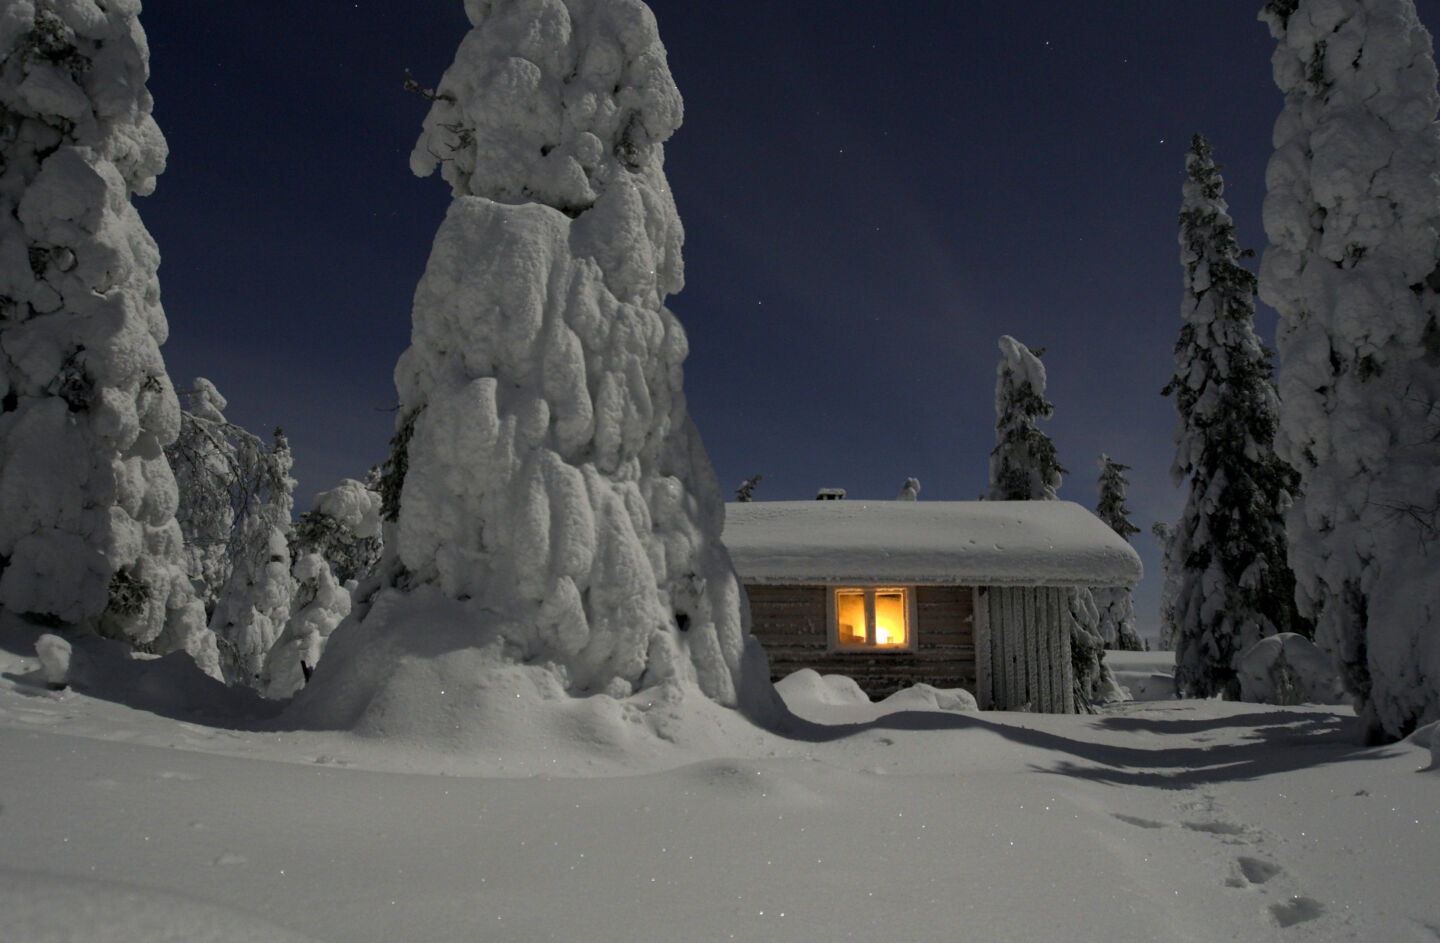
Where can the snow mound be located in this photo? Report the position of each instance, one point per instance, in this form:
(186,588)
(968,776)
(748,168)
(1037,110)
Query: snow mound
(1288,669)
(42,907)
(809,686)
(54,654)
(924,697)
(1429,736)
(171,685)
(438,674)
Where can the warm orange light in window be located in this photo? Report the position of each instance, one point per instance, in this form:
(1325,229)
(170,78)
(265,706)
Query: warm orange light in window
(871,618)
(850,616)
(890,618)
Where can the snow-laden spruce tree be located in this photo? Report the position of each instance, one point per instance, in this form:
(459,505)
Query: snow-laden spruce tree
(1353,216)
(1024,467)
(546,478)
(319,604)
(1023,464)
(1117,603)
(88,536)
(1235,586)
(746,490)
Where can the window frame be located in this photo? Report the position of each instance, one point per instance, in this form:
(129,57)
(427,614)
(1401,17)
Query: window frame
(870,590)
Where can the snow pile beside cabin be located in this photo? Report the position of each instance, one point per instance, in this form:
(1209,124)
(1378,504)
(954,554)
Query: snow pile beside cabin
(980,543)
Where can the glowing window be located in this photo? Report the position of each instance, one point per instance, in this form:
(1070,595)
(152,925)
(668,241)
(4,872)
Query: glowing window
(872,618)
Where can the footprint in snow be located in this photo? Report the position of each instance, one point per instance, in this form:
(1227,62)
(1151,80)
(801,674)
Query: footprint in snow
(1223,830)
(1252,872)
(1296,910)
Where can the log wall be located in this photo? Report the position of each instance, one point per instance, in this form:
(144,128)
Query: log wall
(791,622)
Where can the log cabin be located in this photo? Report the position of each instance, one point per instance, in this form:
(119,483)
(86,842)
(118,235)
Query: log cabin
(968,594)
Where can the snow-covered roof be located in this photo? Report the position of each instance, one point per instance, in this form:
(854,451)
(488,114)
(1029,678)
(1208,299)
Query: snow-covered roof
(990,543)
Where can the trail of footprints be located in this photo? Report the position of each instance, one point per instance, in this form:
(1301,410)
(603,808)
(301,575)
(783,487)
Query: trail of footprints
(1247,872)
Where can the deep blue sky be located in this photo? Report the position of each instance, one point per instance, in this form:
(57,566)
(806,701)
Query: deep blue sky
(873,192)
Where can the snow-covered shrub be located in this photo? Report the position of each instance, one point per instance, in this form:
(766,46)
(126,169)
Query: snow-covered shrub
(1288,669)
(344,528)
(1116,604)
(1353,215)
(319,605)
(909,491)
(1228,552)
(545,477)
(88,535)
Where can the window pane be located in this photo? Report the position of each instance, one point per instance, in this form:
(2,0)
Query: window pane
(850,616)
(890,628)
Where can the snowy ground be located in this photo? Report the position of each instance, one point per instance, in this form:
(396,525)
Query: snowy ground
(1158,820)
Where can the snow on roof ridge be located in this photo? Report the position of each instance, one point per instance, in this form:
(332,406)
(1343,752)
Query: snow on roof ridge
(1015,543)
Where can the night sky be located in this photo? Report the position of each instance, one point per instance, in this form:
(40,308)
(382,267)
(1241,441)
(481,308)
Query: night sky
(872,194)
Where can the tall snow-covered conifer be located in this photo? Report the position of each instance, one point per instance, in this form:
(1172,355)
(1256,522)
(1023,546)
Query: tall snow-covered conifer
(546,478)
(1024,467)
(88,535)
(1117,603)
(1235,585)
(1023,464)
(1353,217)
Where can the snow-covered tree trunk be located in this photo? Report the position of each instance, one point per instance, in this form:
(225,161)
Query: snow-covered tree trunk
(1353,216)
(1164,534)
(545,472)
(1228,552)
(1116,604)
(1024,467)
(88,535)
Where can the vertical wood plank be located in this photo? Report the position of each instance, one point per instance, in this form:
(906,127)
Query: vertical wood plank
(1032,620)
(1044,666)
(1015,646)
(980,606)
(1068,669)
